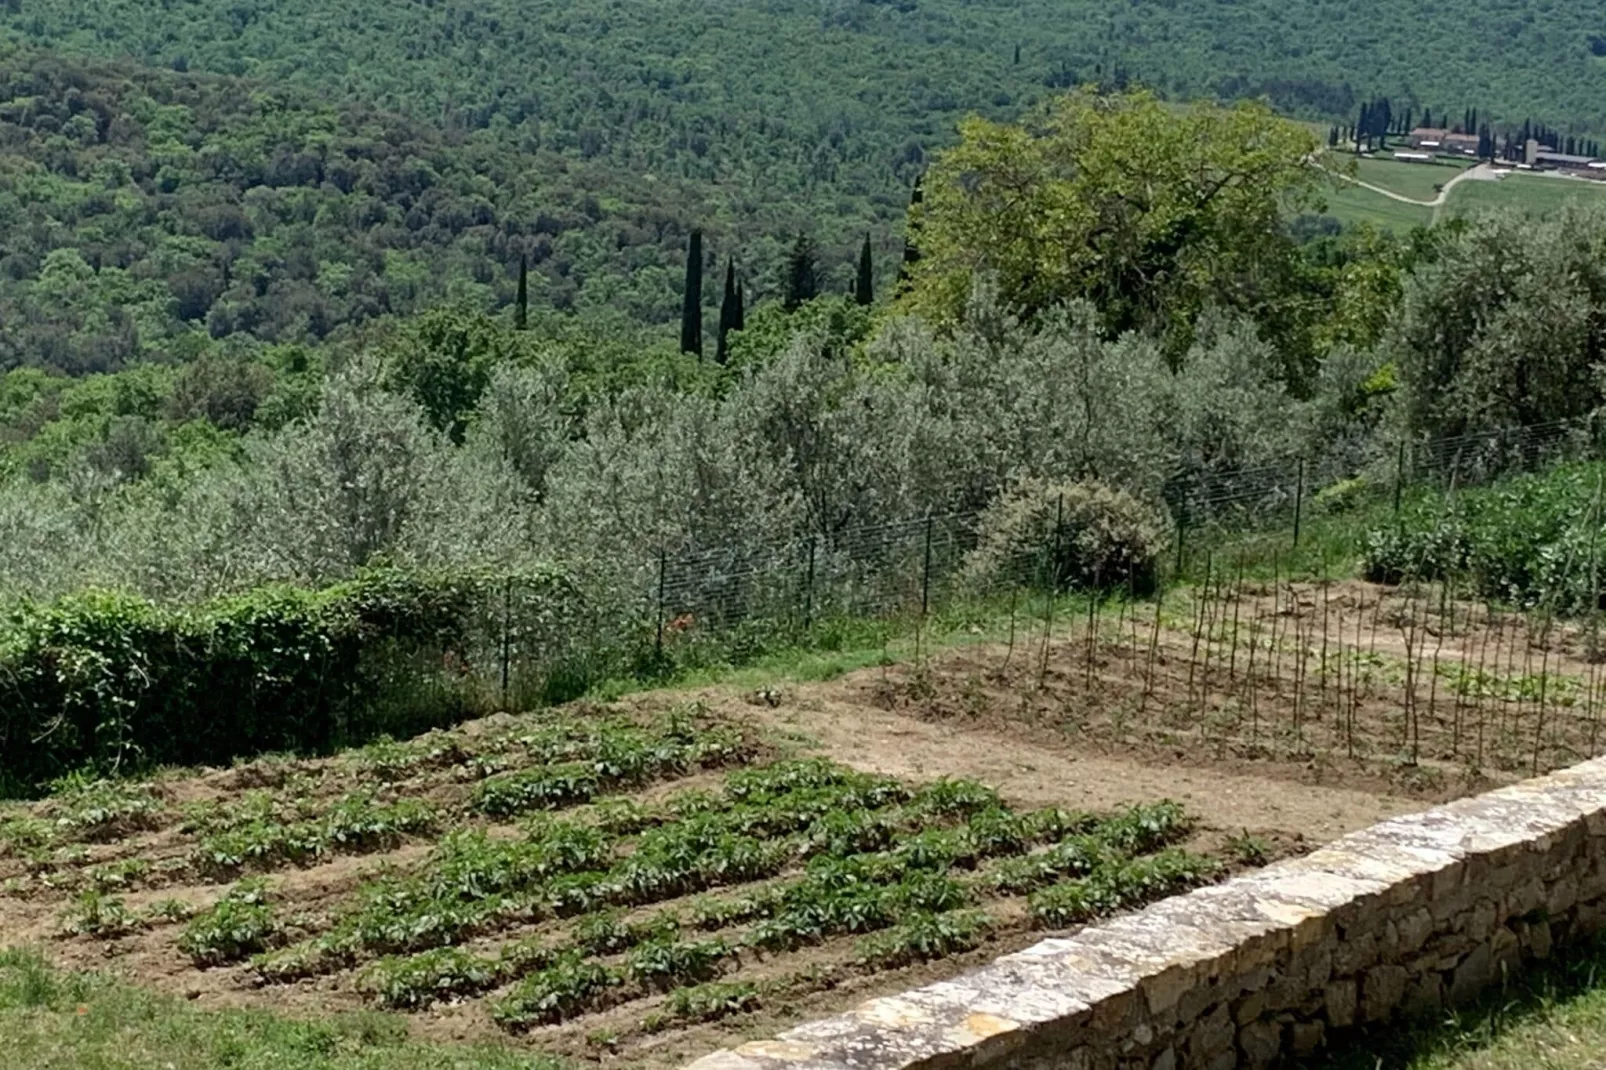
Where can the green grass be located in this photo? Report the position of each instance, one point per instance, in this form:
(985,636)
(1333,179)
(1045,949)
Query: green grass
(1530,193)
(52,1020)
(1414,180)
(1533,194)
(1352,205)
(1552,1019)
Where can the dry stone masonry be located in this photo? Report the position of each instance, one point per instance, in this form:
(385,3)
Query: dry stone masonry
(1398,920)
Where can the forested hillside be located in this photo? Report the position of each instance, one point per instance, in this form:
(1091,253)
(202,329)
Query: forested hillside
(146,211)
(272,170)
(794,92)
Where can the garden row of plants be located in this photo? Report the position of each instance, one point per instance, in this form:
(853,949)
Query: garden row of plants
(781,857)
(372,800)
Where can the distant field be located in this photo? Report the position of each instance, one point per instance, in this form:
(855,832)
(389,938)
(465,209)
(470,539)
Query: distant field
(1351,204)
(1529,192)
(1414,180)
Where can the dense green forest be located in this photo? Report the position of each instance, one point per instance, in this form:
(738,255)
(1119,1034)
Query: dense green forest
(148,213)
(182,177)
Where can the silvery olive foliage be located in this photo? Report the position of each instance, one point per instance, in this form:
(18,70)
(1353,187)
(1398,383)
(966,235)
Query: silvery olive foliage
(806,445)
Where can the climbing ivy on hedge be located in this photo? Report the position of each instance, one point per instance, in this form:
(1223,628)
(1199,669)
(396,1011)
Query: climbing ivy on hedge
(112,681)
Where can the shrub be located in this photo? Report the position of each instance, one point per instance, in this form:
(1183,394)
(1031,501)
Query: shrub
(112,681)
(1068,535)
(1525,540)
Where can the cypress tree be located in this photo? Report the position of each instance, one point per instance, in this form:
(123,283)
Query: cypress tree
(691,311)
(802,282)
(1017,55)
(521,303)
(729,312)
(739,321)
(911,236)
(864,286)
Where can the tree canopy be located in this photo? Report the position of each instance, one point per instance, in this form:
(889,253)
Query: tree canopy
(1148,211)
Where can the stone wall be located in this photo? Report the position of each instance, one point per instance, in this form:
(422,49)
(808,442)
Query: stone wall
(1400,919)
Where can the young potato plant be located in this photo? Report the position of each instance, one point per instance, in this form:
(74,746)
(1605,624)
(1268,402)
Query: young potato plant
(96,914)
(261,833)
(1119,886)
(923,936)
(567,988)
(414,981)
(242,924)
(704,1003)
(666,964)
(85,808)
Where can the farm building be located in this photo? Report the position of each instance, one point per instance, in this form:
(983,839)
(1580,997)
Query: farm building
(1435,139)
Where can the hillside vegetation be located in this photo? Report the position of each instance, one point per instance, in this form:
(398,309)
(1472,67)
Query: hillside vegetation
(147,212)
(793,92)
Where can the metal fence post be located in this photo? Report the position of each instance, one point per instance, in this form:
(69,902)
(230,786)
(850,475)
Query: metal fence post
(1182,529)
(808,590)
(925,576)
(507,629)
(1399,478)
(658,646)
(1299,503)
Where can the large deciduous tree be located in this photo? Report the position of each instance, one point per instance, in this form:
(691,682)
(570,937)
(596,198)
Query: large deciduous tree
(1149,211)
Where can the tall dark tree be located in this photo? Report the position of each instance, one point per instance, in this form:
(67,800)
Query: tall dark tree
(521,302)
(730,313)
(739,321)
(691,309)
(802,282)
(911,234)
(1332,137)
(1017,55)
(864,285)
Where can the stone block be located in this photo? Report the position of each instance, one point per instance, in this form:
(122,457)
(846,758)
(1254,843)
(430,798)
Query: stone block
(1261,1044)
(1472,975)
(1415,930)
(1212,1036)
(1355,953)
(1382,991)
(1424,996)
(1306,1037)
(1481,921)
(1563,896)
(1536,939)
(1250,1008)
(1340,997)
(1166,1060)
(1505,951)
(1525,898)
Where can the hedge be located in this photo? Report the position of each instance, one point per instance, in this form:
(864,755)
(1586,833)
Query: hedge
(111,681)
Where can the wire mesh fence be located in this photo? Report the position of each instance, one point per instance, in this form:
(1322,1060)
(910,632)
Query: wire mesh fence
(1247,635)
(1249,639)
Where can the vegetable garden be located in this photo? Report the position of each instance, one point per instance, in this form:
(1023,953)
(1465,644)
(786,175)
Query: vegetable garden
(588,879)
